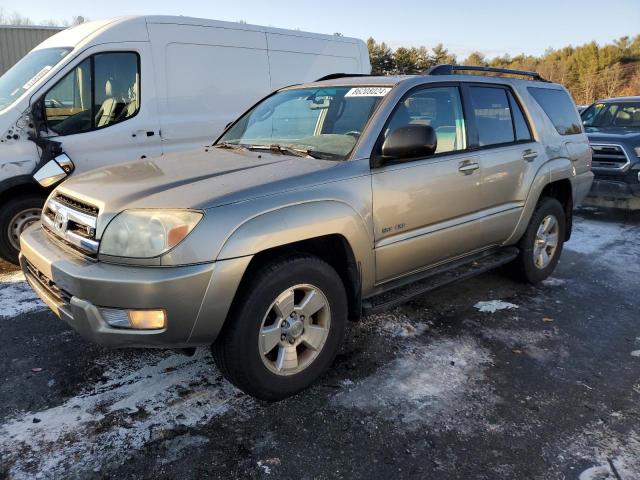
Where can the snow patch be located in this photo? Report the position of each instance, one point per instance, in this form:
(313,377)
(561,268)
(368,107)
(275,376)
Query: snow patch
(441,384)
(635,353)
(493,306)
(553,282)
(614,246)
(396,324)
(601,447)
(16,296)
(111,420)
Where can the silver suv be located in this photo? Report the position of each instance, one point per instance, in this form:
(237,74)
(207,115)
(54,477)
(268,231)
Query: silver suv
(323,202)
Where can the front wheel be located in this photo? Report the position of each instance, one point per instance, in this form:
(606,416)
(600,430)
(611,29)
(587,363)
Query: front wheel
(542,242)
(15,216)
(285,328)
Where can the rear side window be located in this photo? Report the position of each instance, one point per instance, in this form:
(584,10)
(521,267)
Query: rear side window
(520,125)
(559,108)
(492,115)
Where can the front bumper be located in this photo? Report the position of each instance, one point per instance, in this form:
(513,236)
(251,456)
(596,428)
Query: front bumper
(613,193)
(196,298)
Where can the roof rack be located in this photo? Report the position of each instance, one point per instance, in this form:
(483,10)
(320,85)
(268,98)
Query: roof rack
(333,76)
(450,69)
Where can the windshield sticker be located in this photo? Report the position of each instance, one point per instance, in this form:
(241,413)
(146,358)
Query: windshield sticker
(368,92)
(36,77)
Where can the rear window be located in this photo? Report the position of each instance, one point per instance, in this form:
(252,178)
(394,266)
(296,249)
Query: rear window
(559,108)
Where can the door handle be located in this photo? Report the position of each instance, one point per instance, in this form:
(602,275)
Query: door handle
(143,133)
(529,155)
(468,167)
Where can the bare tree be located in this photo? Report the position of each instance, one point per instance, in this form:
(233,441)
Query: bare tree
(611,80)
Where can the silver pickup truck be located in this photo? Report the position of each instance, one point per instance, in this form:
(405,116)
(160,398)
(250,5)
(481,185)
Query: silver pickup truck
(323,202)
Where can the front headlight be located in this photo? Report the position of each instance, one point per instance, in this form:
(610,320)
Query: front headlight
(147,233)
(637,149)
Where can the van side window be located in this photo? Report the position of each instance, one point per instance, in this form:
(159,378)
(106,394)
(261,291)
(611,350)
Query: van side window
(492,115)
(559,108)
(439,107)
(101,91)
(68,103)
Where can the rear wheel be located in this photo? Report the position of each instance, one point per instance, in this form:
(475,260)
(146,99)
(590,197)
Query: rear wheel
(285,329)
(542,242)
(15,216)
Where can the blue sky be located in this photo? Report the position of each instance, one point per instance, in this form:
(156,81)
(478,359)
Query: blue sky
(491,26)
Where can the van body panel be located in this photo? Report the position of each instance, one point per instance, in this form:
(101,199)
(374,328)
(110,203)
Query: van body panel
(194,77)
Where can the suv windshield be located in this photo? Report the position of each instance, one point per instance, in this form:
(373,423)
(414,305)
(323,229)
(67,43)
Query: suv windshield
(24,74)
(319,122)
(619,114)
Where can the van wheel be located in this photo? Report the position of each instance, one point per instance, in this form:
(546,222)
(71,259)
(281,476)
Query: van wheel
(15,216)
(542,242)
(285,329)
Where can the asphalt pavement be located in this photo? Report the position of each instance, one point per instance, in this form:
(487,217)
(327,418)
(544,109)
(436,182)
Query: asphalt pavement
(484,379)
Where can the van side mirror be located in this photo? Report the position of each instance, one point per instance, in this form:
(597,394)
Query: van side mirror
(54,171)
(411,141)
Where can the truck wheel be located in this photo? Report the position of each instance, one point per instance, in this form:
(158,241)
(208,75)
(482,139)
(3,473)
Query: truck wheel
(542,242)
(285,328)
(15,215)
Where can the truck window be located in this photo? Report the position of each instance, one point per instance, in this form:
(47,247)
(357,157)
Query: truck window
(101,91)
(438,107)
(559,108)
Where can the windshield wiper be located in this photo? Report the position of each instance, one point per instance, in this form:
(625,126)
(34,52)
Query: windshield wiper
(234,146)
(285,149)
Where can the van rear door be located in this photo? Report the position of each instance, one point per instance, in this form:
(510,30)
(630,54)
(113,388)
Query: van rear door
(102,108)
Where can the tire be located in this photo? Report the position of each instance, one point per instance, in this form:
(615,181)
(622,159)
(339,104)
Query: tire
(530,266)
(15,215)
(238,351)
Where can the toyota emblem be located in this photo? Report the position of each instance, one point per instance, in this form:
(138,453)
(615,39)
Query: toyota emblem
(60,221)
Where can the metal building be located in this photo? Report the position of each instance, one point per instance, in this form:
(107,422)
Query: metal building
(15,42)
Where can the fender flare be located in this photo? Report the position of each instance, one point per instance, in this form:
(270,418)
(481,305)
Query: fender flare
(551,171)
(299,222)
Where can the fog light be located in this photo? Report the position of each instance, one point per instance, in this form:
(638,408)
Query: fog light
(147,319)
(137,319)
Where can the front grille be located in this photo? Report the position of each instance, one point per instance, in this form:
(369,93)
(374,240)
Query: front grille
(77,205)
(59,295)
(72,222)
(609,156)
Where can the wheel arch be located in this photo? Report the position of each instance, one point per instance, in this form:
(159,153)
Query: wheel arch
(330,230)
(20,185)
(553,179)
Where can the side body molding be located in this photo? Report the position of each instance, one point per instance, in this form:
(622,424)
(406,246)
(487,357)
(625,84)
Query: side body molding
(304,221)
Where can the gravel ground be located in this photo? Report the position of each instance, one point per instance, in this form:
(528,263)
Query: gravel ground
(484,379)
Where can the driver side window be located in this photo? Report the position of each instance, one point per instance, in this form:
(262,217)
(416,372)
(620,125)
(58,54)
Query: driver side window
(100,91)
(438,107)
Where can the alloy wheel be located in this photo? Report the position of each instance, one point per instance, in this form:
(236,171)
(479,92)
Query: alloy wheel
(294,329)
(545,244)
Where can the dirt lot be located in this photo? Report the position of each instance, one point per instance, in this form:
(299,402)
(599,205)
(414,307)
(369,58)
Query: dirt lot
(485,379)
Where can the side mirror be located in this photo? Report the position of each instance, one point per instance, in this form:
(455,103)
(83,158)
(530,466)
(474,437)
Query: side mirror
(54,171)
(411,141)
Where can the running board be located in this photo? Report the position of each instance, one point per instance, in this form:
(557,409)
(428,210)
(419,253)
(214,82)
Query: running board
(438,277)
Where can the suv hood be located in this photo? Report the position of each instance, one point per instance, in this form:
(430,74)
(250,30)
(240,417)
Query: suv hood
(198,179)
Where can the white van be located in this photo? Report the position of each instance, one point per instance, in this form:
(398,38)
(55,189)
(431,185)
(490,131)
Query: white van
(126,88)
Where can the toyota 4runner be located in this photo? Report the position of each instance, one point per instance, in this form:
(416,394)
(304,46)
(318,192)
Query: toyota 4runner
(323,202)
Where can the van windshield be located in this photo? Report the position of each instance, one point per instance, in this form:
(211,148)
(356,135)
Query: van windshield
(317,122)
(24,74)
